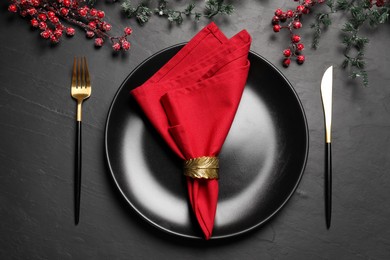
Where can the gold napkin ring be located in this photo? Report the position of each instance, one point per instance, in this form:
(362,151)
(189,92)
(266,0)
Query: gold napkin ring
(204,167)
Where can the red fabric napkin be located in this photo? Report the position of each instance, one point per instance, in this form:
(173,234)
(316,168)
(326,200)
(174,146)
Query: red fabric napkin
(192,100)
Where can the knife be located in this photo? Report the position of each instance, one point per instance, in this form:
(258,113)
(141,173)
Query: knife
(326,94)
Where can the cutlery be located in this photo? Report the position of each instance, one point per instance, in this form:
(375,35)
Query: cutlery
(80,90)
(326,94)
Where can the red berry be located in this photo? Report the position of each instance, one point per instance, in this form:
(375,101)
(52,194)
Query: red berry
(300,59)
(92,25)
(283,17)
(60,27)
(46,34)
(93,12)
(277,28)
(295,38)
(308,2)
(290,13)
(83,12)
(54,39)
(297,24)
(116,46)
(35,2)
(90,34)
(286,62)
(51,14)
(100,14)
(128,31)
(34,22)
(300,46)
(64,11)
(380,3)
(278,12)
(306,11)
(42,17)
(58,33)
(275,20)
(287,52)
(300,8)
(55,19)
(75,4)
(125,45)
(32,11)
(42,25)
(70,31)
(106,26)
(66,3)
(12,8)
(99,42)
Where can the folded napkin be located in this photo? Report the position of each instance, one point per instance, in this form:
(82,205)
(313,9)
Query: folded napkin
(191,101)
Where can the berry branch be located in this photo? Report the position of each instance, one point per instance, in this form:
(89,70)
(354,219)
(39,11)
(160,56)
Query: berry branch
(48,16)
(293,20)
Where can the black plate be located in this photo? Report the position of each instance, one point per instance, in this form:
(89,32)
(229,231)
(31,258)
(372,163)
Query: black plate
(261,162)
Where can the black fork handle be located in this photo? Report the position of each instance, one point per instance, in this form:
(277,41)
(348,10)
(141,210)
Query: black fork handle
(78,173)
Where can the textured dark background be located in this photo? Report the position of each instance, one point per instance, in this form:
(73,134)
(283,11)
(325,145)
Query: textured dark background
(37,132)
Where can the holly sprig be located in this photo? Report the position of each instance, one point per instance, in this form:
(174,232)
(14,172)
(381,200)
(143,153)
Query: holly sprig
(143,10)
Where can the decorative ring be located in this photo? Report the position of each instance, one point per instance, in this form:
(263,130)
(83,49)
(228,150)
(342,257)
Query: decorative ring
(204,167)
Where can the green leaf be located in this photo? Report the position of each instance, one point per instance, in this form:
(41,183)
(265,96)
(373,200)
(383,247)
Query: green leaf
(348,27)
(361,42)
(360,74)
(342,5)
(189,9)
(383,17)
(330,4)
(345,63)
(197,16)
(366,4)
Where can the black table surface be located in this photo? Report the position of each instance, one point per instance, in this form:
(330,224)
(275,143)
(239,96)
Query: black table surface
(37,148)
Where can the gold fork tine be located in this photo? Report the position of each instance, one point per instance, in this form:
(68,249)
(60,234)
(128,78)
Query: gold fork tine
(87,79)
(82,60)
(74,74)
(79,84)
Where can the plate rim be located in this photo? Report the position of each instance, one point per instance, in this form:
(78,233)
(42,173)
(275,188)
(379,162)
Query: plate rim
(148,220)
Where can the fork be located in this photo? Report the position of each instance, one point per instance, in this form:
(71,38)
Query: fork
(80,90)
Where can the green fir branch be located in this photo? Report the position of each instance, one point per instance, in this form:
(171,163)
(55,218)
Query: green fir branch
(358,13)
(143,10)
(322,21)
(176,16)
(216,7)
